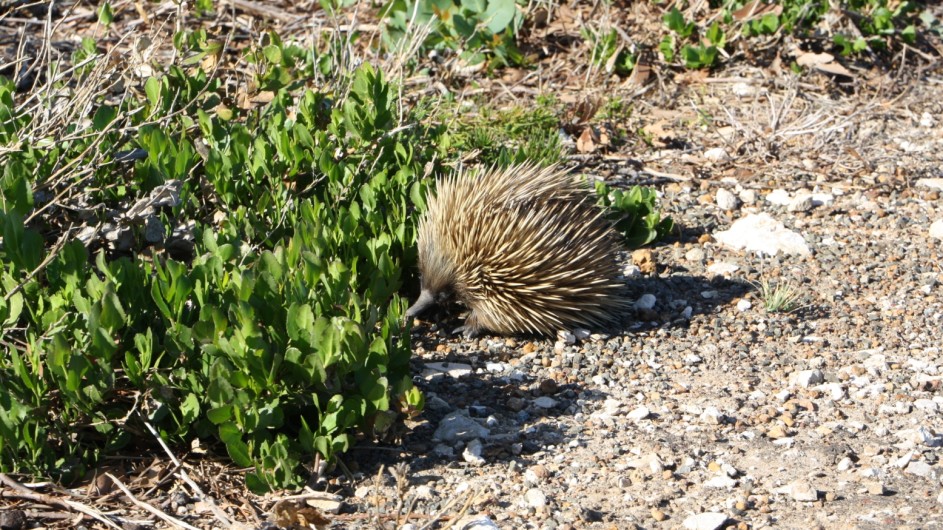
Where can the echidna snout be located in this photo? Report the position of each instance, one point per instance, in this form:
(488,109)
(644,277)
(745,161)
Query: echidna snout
(427,298)
(526,249)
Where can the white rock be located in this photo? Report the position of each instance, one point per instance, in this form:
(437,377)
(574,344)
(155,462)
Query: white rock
(922,469)
(326,503)
(926,120)
(722,268)
(845,464)
(933,183)
(936,229)
(744,305)
(477,522)
(833,391)
(743,89)
(497,368)
(472,453)
(802,491)
(567,337)
(362,492)
(705,521)
(639,414)
(807,378)
(455,370)
(696,254)
(904,460)
(545,402)
(748,196)
(711,416)
(926,404)
(721,482)
(716,155)
(535,498)
(921,435)
(631,271)
(820,199)
(726,200)
(801,203)
(457,426)
(762,234)
(779,197)
(646,301)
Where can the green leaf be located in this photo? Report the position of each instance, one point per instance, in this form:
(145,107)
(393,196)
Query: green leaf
(152,90)
(105,14)
(103,117)
(235,446)
(190,408)
(500,14)
(273,53)
(219,415)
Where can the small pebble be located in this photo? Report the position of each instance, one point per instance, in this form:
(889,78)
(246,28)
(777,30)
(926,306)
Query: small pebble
(704,521)
(535,498)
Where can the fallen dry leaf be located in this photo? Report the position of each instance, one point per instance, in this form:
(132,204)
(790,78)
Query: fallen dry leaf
(586,143)
(756,9)
(640,74)
(644,259)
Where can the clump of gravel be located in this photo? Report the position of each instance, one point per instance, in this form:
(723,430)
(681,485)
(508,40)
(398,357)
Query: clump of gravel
(712,408)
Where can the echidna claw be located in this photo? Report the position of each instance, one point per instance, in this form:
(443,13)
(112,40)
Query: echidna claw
(469,332)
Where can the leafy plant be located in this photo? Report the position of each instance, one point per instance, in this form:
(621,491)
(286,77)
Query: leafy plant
(481,28)
(634,213)
(606,51)
(280,338)
(509,136)
(779,297)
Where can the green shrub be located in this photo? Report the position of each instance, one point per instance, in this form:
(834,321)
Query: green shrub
(283,337)
(635,213)
(481,28)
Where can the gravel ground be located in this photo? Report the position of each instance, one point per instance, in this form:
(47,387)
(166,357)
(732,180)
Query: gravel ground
(709,410)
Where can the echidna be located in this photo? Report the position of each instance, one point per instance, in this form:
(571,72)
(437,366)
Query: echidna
(525,248)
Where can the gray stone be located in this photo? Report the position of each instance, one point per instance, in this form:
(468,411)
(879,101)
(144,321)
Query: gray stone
(726,200)
(921,468)
(807,378)
(802,491)
(457,426)
(801,203)
(646,302)
(717,155)
(696,254)
(472,453)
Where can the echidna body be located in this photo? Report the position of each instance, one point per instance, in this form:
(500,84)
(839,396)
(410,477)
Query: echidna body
(526,249)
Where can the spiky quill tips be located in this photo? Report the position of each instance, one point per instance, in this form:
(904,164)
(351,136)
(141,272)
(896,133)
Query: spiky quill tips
(525,248)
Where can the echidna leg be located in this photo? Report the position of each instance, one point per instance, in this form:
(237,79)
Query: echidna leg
(472,327)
